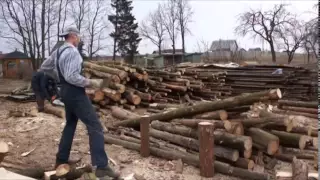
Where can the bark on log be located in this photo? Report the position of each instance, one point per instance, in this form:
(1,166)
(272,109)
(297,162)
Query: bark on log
(144,133)
(132,98)
(292,139)
(191,160)
(65,171)
(113,78)
(49,109)
(221,114)
(206,148)
(266,121)
(118,87)
(130,107)
(300,109)
(236,128)
(193,123)
(313,104)
(278,111)
(121,74)
(112,94)
(4,150)
(267,141)
(299,170)
(32,172)
(286,174)
(244,99)
(122,113)
(241,163)
(220,137)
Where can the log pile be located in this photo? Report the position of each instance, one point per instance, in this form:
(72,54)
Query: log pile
(261,141)
(296,83)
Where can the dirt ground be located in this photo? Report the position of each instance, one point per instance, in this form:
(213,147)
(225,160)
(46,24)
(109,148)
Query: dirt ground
(42,133)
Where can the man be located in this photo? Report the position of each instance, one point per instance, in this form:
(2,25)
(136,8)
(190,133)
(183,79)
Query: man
(65,65)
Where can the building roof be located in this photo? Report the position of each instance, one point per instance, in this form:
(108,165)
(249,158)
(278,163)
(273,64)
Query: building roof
(168,51)
(222,44)
(15,55)
(191,54)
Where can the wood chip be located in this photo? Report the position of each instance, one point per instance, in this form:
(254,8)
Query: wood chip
(27,153)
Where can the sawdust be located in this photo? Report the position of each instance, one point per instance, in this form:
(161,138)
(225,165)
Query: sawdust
(42,133)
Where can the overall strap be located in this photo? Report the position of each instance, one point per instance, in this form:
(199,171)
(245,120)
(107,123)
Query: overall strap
(58,67)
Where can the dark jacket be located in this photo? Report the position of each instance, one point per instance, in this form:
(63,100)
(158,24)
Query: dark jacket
(44,86)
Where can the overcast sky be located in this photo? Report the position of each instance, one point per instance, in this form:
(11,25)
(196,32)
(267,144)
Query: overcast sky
(213,20)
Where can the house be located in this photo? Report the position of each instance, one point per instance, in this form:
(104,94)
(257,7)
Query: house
(255,49)
(224,45)
(16,65)
(167,58)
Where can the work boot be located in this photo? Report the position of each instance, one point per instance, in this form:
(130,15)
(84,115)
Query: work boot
(106,172)
(40,103)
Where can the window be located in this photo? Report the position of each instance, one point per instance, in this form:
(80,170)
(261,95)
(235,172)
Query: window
(12,65)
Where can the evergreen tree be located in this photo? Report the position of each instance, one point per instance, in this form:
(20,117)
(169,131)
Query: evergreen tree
(126,37)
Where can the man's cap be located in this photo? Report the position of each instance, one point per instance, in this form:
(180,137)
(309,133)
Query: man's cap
(69,30)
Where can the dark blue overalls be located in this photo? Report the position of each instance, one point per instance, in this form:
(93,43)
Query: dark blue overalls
(78,105)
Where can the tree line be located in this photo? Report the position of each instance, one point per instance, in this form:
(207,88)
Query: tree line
(33,26)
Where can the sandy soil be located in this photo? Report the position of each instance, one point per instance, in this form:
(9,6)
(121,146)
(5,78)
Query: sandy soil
(42,134)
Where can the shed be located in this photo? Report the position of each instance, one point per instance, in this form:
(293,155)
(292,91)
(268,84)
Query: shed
(16,65)
(193,57)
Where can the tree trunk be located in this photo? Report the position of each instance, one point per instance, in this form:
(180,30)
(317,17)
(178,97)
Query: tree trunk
(300,109)
(191,159)
(120,113)
(121,74)
(49,109)
(206,148)
(220,114)
(273,52)
(193,123)
(313,104)
(292,139)
(266,141)
(203,107)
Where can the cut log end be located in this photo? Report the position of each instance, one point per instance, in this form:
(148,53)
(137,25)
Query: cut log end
(247,153)
(273,147)
(227,125)
(275,94)
(303,142)
(250,164)
(62,170)
(248,143)
(223,115)
(205,124)
(4,149)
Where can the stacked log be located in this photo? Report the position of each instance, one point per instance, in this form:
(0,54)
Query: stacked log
(265,139)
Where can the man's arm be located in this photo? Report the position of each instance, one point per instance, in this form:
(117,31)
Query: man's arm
(72,68)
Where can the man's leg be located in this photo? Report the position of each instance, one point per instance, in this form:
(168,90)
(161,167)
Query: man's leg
(67,136)
(84,110)
(35,84)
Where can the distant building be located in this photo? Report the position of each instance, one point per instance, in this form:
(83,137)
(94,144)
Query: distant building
(255,49)
(224,45)
(16,65)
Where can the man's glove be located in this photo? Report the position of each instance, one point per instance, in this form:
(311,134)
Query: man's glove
(96,83)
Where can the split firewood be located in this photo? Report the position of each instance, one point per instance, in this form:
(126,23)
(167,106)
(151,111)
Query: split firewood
(112,94)
(67,172)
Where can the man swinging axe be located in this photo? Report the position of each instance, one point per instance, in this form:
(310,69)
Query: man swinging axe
(65,65)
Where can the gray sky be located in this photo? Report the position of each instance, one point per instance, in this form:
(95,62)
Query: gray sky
(213,20)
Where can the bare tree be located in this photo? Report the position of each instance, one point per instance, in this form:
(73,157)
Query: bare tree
(62,15)
(203,47)
(292,37)
(96,27)
(184,15)
(79,9)
(153,28)
(170,21)
(264,24)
